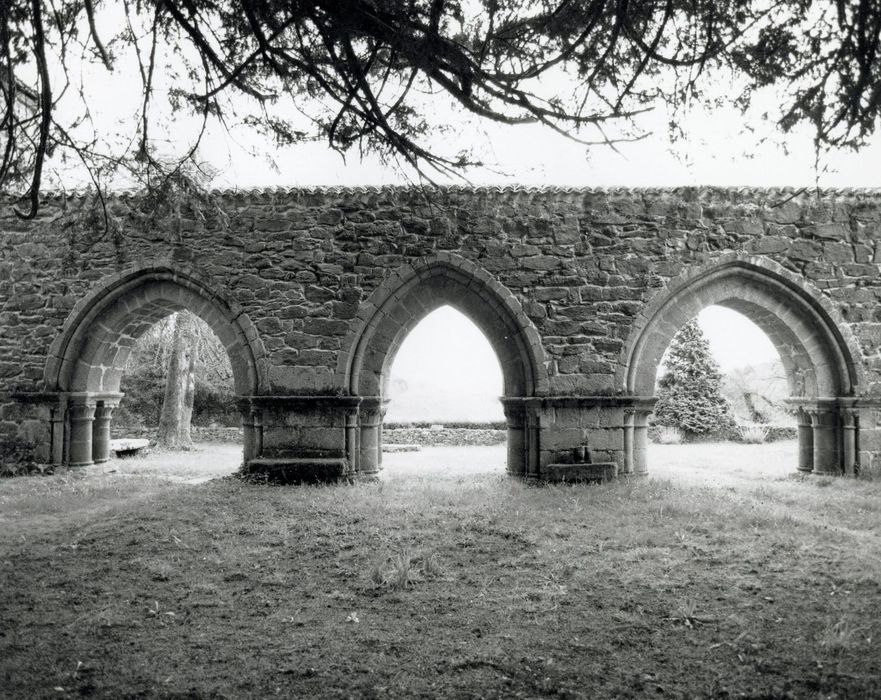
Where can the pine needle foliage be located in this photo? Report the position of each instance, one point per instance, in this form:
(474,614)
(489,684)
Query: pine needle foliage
(690,391)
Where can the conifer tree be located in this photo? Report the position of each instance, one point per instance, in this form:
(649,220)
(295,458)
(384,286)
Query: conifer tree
(690,391)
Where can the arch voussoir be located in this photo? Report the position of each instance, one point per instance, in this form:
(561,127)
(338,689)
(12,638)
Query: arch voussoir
(121,305)
(821,360)
(405,297)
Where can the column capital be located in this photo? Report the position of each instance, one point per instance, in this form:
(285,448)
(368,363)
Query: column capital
(104,411)
(82,410)
(815,414)
(849,418)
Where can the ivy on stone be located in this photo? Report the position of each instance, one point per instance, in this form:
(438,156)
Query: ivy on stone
(690,390)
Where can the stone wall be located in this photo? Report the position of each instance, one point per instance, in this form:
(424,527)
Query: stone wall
(199,433)
(453,437)
(564,281)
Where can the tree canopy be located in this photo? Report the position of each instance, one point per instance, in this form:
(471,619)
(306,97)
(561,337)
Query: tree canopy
(360,72)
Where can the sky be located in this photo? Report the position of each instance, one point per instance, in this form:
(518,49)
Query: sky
(721,147)
(718,151)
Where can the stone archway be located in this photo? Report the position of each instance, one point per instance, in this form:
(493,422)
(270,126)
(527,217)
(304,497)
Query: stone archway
(87,358)
(395,308)
(815,346)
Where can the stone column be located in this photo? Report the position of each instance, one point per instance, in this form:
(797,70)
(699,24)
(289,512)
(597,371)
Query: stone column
(640,442)
(824,426)
(252,434)
(628,427)
(532,447)
(383,407)
(515,417)
(352,442)
(805,442)
(370,442)
(81,413)
(101,431)
(58,415)
(849,441)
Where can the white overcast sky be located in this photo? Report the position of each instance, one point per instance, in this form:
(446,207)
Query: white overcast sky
(717,152)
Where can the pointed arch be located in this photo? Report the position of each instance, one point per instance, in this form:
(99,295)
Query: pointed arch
(411,293)
(816,347)
(90,353)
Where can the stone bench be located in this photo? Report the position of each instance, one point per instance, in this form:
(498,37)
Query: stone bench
(128,447)
(295,470)
(597,472)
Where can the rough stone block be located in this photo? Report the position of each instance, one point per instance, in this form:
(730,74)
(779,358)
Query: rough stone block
(597,472)
(296,470)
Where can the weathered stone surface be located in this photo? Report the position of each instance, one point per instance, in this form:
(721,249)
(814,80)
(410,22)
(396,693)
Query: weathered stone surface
(295,470)
(556,473)
(128,446)
(294,277)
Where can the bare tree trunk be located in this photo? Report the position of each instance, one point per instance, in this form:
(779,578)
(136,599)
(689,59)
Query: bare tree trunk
(186,417)
(177,405)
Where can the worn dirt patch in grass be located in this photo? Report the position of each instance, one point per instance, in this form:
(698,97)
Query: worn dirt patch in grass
(655,587)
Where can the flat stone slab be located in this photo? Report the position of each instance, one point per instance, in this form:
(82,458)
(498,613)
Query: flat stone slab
(296,470)
(400,448)
(125,447)
(575,473)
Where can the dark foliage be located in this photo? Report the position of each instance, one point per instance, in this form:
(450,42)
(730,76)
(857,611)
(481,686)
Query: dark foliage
(690,391)
(144,388)
(144,380)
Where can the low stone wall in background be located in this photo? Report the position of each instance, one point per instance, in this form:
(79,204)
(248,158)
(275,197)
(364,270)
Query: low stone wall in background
(424,436)
(199,433)
(397,436)
(775,434)
(444,436)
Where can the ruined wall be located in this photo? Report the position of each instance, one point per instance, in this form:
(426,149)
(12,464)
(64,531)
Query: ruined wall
(583,264)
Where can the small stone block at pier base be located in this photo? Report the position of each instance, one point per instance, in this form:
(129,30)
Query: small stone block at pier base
(579,473)
(296,470)
(128,447)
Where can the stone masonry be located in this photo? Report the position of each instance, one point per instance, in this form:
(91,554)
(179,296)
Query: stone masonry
(579,291)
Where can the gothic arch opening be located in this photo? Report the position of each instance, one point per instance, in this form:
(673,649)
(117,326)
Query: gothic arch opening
(445,373)
(399,305)
(814,348)
(88,358)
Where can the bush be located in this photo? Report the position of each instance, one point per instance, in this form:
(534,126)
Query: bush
(17,457)
(753,434)
(144,389)
(214,405)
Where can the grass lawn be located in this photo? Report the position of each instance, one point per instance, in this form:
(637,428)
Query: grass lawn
(736,580)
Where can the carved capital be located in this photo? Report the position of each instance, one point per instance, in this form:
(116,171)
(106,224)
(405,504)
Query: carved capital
(82,410)
(104,411)
(370,417)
